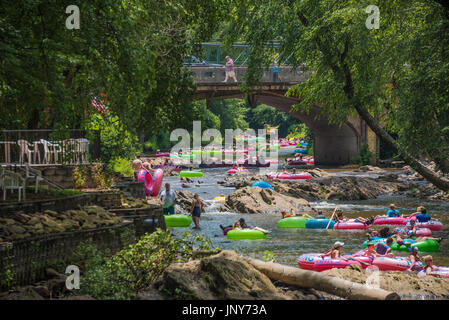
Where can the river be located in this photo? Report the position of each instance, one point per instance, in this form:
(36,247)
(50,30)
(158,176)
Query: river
(287,244)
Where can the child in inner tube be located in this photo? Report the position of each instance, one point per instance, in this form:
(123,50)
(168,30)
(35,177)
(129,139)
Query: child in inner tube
(413,257)
(241,224)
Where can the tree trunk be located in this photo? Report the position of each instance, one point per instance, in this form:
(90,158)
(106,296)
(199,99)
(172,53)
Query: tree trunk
(429,175)
(318,281)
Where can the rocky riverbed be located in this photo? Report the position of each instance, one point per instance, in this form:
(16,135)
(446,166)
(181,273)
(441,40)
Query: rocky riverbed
(22,225)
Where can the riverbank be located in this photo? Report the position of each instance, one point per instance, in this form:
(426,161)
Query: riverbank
(227,275)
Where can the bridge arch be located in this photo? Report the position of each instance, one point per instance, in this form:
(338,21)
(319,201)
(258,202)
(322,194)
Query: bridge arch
(334,144)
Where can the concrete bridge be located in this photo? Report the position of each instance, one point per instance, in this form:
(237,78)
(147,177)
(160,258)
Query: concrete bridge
(333,145)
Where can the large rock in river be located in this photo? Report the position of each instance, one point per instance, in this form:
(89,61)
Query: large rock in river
(258,200)
(222,276)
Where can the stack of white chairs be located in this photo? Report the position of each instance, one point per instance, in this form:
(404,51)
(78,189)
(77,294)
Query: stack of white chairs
(24,151)
(83,149)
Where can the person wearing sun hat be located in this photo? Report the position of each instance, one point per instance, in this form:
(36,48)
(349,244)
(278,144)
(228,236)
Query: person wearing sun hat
(334,252)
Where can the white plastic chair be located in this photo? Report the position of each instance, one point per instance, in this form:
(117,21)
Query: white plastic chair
(13,181)
(33,174)
(48,151)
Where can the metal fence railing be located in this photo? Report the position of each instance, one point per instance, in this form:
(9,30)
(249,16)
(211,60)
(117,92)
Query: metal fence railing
(48,146)
(25,261)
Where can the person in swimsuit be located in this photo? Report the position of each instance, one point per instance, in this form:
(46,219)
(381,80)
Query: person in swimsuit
(429,267)
(197,205)
(413,257)
(335,251)
(384,249)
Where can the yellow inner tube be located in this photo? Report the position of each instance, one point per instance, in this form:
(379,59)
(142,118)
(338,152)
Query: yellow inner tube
(222,199)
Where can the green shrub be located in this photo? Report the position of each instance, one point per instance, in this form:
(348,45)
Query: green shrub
(80,175)
(122,166)
(364,156)
(101,176)
(136,267)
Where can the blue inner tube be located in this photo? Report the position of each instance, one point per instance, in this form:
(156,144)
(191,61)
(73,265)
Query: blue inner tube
(303,151)
(319,224)
(262,184)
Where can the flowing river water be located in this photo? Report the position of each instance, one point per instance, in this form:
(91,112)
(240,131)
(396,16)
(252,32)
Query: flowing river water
(288,244)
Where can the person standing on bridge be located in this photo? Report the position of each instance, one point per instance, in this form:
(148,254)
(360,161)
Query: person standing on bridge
(229,69)
(275,72)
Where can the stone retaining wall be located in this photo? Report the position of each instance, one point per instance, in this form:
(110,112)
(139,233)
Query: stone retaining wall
(132,189)
(110,199)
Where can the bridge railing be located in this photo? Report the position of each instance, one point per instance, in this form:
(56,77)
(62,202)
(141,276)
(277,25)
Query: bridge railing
(207,75)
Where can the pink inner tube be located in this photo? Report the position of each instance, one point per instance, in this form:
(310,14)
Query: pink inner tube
(307,261)
(296,163)
(395,264)
(166,154)
(235,170)
(152,183)
(173,168)
(295,176)
(420,232)
(242,161)
(327,263)
(315,261)
(284,144)
(392,221)
(350,225)
(439,272)
(433,225)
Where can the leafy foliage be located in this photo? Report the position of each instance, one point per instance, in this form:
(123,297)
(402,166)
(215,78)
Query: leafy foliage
(134,268)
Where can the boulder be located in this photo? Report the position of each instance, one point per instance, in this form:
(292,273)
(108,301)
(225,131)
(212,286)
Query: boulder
(258,200)
(222,276)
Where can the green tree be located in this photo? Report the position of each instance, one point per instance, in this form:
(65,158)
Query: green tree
(353,67)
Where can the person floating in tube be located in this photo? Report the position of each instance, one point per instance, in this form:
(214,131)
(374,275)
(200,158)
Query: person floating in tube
(241,224)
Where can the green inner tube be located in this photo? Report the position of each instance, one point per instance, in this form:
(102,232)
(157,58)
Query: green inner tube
(190,174)
(292,222)
(423,246)
(246,234)
(183,156)
(210,152)
(177,220)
